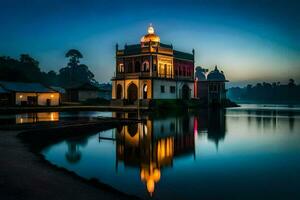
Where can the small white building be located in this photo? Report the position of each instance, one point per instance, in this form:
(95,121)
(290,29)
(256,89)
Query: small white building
(30,94)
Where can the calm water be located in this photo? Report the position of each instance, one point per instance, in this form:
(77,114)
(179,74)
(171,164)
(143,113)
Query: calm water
(251,152)
(25,118)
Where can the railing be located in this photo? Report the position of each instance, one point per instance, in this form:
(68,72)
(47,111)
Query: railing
(136,75)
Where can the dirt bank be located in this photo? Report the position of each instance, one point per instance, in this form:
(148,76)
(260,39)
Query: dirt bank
(24,174)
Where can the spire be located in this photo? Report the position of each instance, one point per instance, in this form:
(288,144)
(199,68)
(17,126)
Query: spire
(150,29)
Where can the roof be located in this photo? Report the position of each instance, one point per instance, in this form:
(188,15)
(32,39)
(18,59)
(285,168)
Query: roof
(199,75)
(25,87)
(183,55)
(216,75)
(150,36)
(3,91)
(132,49)
(166,45)
(58,89)
(85,86)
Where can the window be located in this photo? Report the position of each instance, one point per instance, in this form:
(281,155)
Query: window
(162,89)
(172,89)
(121,67)
(145,66)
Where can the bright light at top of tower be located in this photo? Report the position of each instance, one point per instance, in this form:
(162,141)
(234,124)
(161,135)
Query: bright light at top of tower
(150,29)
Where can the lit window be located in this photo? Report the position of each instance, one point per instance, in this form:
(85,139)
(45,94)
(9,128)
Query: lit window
(121,67)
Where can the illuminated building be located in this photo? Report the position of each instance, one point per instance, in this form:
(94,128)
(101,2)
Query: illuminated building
(33,94)
(152,70)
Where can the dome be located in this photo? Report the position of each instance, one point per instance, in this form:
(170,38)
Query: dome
(151,36)
(216,75)
(200,74)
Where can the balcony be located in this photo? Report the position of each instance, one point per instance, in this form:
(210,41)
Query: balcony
(134,75)
(138,75)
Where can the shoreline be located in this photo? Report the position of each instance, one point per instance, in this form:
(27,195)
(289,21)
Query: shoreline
(27,175)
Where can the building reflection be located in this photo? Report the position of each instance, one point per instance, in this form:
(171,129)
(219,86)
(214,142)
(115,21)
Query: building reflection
(37,117)
(213,123)
(157,142)
(153,145)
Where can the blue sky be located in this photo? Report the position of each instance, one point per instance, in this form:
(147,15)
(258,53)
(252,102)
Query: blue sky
(249,40)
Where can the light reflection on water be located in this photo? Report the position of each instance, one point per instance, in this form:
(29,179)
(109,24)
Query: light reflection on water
(233,154)
(35,117)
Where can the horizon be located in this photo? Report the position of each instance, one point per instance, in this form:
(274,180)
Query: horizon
(250,41)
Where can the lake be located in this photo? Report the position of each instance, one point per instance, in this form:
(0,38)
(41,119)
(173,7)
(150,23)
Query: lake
(250,152)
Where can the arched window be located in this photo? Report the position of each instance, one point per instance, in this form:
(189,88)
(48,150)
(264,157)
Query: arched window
(145,66)
(121,67)
(132,93)
(145,90)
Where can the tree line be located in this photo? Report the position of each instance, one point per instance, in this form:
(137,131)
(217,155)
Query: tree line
(266,93)
(27,69)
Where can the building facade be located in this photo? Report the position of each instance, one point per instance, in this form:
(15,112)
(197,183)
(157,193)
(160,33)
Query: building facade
(29,94)
(83,92)
(210,88)
(152,70)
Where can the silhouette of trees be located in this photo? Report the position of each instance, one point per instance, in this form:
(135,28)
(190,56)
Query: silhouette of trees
(75,73)
(26,69)
(267,93)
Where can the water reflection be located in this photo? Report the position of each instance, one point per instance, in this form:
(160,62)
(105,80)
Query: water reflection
(157,142)
(73,154)
(37,117)
(153,145)
(188,156)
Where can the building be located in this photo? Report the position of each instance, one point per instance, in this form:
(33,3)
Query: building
(28,94)
(152,70)
(210,88)
(62,92)
(83,92)
(4,96)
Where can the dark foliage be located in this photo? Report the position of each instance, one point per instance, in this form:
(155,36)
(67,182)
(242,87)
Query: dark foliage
(27,69)
(267,93)
(75,73)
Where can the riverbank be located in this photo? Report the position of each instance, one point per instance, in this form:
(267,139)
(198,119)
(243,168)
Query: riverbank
(26,175)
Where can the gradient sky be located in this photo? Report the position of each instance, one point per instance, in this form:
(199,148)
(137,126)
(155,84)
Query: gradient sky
(250,40)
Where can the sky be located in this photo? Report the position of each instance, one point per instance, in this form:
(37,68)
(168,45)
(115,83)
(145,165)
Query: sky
(250,41)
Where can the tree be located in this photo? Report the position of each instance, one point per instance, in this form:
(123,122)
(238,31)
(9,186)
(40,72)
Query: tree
(291,83)
(75,73)
(74,56)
